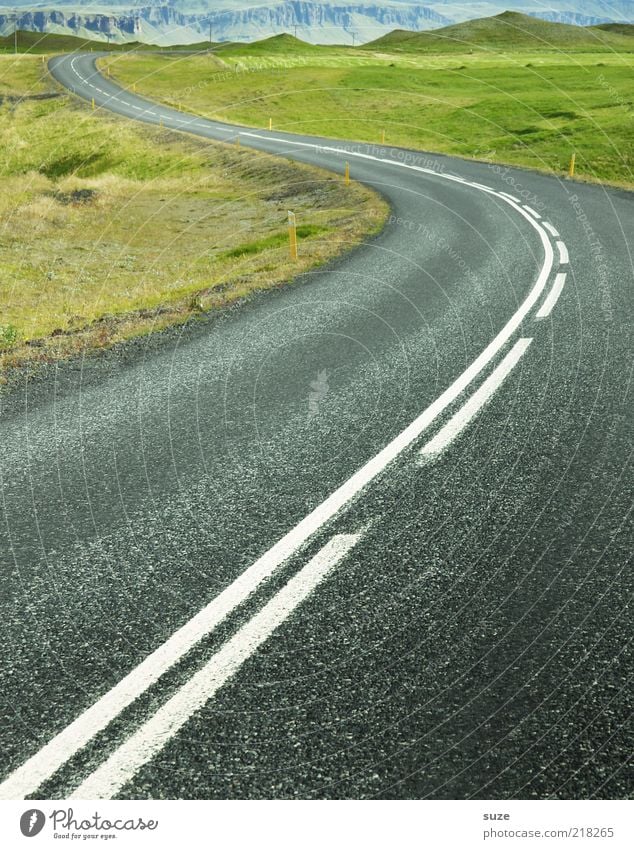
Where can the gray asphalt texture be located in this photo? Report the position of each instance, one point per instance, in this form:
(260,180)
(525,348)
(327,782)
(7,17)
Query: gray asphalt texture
(477,641)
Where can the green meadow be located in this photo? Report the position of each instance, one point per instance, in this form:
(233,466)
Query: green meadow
(111,229)
(529,104)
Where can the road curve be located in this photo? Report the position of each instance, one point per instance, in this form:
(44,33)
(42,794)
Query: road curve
(365,536)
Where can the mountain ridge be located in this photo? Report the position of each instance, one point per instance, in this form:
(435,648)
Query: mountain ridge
(166,22)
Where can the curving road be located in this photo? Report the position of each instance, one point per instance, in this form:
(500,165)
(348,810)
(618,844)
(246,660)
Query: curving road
(365,536)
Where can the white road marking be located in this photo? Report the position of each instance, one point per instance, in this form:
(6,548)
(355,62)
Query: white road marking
(552,297)
(563,253)
(461,419)
(156,732)
(28,777)
(532,212)
(395,164)
(551,229)
(505,195)
(508,197)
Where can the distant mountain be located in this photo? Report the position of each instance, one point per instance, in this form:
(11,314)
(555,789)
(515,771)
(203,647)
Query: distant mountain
(161,23)
(317,21)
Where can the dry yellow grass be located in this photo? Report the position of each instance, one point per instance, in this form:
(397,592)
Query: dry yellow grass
(109,229)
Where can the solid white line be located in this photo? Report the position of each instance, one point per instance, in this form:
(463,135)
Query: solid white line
(514,202)
(156,732)
(551,229)
(553,296)
(532,212)
(28,777)
(461,419)
(563,253)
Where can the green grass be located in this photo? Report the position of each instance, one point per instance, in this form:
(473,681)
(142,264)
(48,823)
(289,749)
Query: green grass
(109,229)
(274,241)
(41,42)
(526,108)
(46,42)
(508,31)
(283,44)
(621,29)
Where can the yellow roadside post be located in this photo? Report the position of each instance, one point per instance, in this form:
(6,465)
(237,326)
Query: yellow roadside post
(133,86)
(571,169)
(346,178)
(270,123)
(93,102)
(292,235)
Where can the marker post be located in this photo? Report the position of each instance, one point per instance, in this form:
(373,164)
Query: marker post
(292,235)
(571,168)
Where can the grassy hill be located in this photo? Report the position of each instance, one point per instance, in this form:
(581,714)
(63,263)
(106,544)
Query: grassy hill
(508,31)
(47,42)
(619,29)
(281,45)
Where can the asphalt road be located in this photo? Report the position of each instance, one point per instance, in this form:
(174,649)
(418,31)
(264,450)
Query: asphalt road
(321,564)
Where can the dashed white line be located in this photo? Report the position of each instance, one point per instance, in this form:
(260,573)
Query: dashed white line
(154,734)
(396,164)
(551,229)
(552,297)
(532,212)
(461,419)
(27,778)
(563,253)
